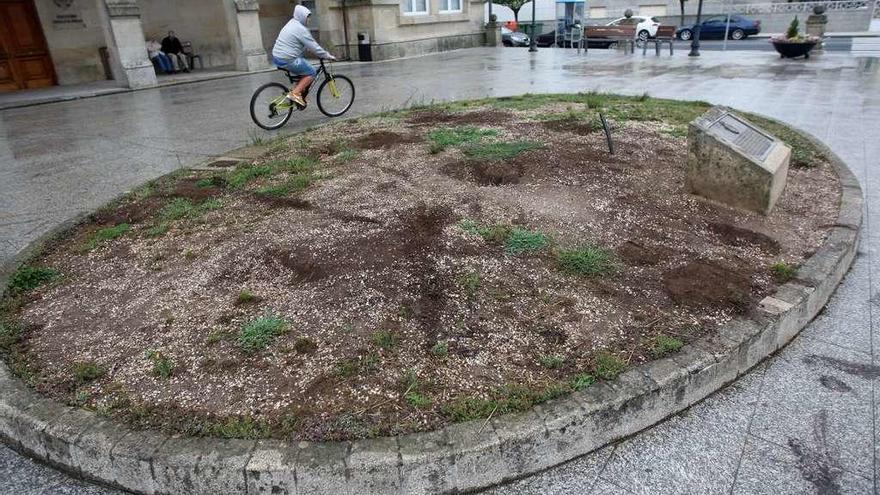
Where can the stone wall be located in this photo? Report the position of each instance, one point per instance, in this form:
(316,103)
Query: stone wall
(74,35)
(393,34)
(202,22)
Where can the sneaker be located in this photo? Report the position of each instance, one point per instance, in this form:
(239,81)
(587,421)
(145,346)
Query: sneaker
(298,100)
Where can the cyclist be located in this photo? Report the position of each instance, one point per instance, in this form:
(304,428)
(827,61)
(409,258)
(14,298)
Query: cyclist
(289,51)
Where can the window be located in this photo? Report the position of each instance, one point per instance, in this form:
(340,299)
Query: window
(450,5)
(415,7)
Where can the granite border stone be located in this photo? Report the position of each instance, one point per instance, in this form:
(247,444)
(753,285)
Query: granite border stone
(458,458)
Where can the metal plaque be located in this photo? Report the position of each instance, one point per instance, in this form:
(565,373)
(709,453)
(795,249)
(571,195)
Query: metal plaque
(742,135)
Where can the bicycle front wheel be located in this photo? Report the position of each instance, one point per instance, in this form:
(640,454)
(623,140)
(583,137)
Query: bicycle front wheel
(269,108)
(335,96)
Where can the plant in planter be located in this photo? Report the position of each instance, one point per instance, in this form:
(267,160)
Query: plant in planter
(794,44)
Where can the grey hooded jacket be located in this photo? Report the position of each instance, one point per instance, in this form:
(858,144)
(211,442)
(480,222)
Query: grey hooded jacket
(295,40)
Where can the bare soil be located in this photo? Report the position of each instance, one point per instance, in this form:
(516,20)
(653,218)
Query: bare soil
(397,310)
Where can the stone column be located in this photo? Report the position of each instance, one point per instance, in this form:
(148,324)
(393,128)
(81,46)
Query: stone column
(121,23)
(243,18)
(493,32)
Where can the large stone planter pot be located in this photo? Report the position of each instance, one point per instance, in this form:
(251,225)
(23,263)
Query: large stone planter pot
(788,49)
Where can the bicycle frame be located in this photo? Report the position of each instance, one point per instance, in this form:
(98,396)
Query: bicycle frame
(295,78)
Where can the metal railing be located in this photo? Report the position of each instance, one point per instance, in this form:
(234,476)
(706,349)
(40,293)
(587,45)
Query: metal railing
(801,7)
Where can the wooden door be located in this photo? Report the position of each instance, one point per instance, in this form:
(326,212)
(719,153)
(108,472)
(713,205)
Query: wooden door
(24,57)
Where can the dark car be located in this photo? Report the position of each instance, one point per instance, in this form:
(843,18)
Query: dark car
(713,28)
(548,39)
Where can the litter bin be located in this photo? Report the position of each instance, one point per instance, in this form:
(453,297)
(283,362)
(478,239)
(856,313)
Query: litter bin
(365,51)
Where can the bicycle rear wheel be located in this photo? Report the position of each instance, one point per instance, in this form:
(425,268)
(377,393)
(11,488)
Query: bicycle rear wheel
(269,109)
(335,96)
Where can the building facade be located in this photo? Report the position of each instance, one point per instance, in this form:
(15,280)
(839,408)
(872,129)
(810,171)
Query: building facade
(49,42)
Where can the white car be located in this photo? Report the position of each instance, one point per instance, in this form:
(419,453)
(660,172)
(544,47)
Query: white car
(646,27)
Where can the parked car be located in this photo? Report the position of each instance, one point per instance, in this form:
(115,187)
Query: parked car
(713,28)
(646,27)
(513,38)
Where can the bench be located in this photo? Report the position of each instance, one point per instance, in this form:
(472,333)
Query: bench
(191,55)
(665,34)
(613,35)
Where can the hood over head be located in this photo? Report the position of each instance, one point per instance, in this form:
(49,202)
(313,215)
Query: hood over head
(300,13)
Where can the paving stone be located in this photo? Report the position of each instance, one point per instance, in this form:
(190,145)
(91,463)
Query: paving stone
(772,469)
(817,396)
(674,456)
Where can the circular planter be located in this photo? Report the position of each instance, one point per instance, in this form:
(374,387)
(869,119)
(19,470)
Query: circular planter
(457,458)
(788,49)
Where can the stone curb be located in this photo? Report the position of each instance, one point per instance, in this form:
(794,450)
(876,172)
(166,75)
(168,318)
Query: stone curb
(458,458)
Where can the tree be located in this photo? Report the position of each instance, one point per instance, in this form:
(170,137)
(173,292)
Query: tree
(514,5)
(681,2)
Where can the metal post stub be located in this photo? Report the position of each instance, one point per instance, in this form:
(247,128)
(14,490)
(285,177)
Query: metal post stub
(607,133)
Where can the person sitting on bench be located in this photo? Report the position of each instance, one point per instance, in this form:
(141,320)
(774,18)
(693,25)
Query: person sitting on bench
(154,51)
(174,49)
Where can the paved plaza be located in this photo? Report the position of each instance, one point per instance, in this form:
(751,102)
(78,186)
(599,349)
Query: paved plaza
(804,421)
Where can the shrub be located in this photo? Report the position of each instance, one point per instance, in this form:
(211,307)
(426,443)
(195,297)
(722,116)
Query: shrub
(792,31)
(586,261)
(257,334)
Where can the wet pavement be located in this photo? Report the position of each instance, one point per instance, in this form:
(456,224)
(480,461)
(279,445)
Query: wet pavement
(799,423)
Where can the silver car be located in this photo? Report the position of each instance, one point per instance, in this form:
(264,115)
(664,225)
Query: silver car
(513,38)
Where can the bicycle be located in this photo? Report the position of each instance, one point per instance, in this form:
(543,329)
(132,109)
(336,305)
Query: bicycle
(270,100)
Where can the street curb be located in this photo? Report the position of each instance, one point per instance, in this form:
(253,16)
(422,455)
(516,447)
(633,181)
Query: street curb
(459,458)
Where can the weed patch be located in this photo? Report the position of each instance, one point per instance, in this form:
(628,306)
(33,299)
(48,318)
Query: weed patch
(783,272)
(552,362)
(86,371)
(607,366)
(582,381)
(589,261)
(384,339)
(444,138)
(179,208)
(440,349)
(664,344)
(470,282)
(244,427)
(28,278)
(522,240)
(258,334)
(162,366)
(105,235)
(239,177)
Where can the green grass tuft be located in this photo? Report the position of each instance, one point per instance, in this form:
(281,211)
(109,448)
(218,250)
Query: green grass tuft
(104,235)
(440,349)
(522,240)
(445,137)
(582,381)
(162,366)
(783,272)
(416,399)
(28,278)
(587,261)
(551,362)
(664,344)
(246,297)
(244,427)
(384,339)
(346,156)
(243,174)
(607,366)
(470,282)
(86,371)
(179,208)
(257,334)
(499,151)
